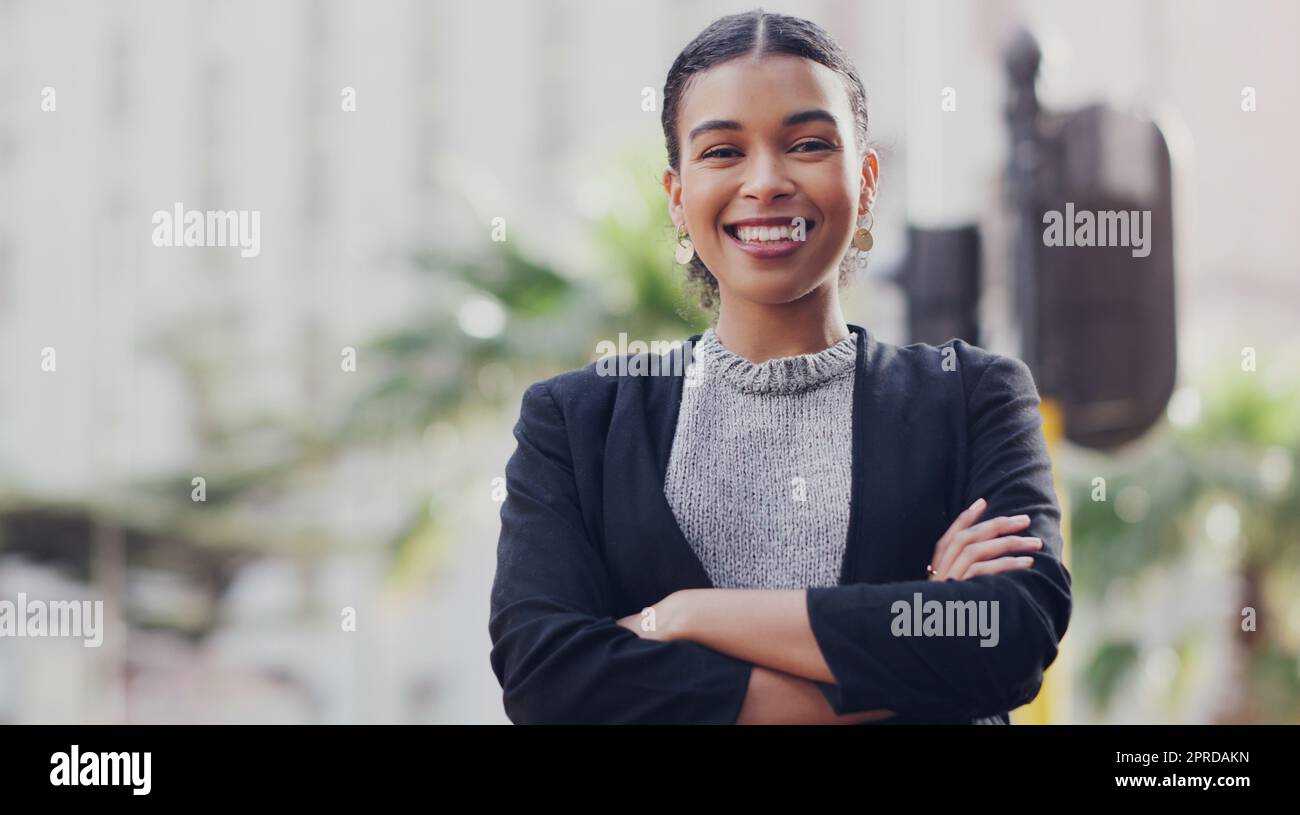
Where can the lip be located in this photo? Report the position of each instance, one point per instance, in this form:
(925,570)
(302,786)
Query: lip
(778,220)
(768,249)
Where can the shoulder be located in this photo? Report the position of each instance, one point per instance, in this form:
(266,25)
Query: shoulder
(565,387)
(955,361)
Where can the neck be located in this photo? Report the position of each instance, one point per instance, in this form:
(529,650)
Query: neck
(761,331)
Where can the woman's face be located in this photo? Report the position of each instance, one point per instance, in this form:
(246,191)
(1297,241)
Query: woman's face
(742,158)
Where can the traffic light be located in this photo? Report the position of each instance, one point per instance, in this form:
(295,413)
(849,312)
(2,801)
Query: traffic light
(1093,259)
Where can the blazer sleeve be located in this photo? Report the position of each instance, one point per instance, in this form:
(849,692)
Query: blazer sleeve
(955,677)
(557,649)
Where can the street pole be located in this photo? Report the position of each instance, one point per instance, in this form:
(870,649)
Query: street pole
(1023,58)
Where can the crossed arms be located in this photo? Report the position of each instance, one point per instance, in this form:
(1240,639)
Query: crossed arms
(825,654)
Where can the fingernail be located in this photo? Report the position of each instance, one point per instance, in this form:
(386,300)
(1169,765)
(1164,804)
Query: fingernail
(1020,518)
(1038,542)
(978,502)
(1025,560)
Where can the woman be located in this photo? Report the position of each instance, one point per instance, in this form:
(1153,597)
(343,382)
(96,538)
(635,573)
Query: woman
(808,525)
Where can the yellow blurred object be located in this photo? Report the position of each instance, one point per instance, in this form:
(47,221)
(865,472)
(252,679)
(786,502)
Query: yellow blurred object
(1051,705)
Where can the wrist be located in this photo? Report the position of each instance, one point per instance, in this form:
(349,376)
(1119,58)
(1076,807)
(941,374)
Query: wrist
(676,614)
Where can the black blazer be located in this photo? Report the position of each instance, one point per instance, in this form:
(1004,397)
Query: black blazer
(587,537)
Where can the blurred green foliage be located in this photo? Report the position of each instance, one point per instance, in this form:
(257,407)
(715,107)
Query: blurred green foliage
(1223,482)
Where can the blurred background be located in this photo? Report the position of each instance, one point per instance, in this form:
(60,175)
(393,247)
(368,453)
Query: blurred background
(329,486)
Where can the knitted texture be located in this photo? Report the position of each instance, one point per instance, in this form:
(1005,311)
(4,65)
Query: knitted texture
(761,466)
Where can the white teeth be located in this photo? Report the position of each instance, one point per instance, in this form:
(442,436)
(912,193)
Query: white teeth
(761,234)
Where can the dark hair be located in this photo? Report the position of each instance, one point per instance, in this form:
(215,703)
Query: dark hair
(755,33)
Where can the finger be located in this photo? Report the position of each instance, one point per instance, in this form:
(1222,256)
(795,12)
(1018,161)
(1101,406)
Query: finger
(996,527)
(985,530)
(967,517)
(1002,564)
(989,550)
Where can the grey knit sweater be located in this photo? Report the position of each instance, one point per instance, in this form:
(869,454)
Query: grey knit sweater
(761,467)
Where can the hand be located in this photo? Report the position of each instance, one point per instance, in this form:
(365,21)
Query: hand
(969,549)
(658,622)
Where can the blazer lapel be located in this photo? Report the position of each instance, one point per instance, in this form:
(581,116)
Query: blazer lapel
(886,464)
(648,553)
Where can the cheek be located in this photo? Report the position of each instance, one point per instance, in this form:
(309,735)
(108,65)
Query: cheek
(839,196)
(831,190)
(835,227)
(703,208)
(841,211)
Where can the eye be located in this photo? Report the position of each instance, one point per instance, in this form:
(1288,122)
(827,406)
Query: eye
(714,153)
(815,144)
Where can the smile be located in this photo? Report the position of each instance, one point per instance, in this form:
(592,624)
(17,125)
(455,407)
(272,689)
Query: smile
(768,241)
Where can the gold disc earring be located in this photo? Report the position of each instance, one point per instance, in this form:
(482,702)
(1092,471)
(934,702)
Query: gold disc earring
(862,239)
(685,248)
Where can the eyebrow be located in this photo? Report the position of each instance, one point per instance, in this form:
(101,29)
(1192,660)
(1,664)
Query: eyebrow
(817,115)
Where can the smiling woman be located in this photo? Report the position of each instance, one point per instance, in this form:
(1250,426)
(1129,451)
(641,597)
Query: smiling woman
(728,544)
(779,109)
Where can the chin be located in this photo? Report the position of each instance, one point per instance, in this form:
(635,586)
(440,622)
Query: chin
(775,288)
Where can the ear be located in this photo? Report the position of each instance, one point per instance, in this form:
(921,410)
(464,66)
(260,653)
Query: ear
(673,187)
(870,181)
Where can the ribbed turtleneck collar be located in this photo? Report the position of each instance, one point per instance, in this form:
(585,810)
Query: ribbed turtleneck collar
(780,375)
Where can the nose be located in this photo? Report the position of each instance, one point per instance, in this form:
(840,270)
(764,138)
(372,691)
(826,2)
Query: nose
(767,178)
